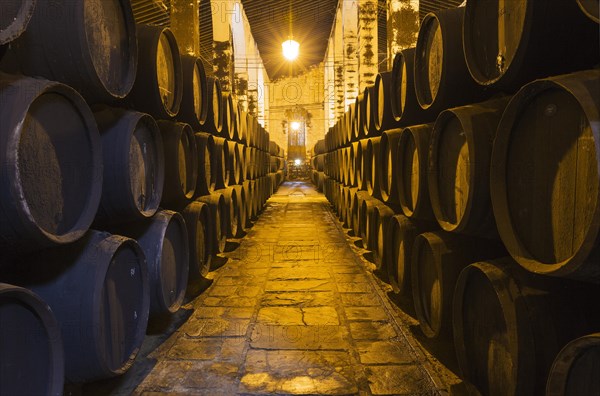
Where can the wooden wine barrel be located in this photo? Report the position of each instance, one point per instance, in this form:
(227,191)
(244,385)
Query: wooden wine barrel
(218,215)
(51,164)
(459,167)
(359,115)
(404,103)
(400,239)
(250,161)
(134,166)
(32,359)
(368,115)
(164,240)
(232,213)
(437,259)
(363,172)
(232,174)
(441,78)
(14,19)
(229,116)
(204,142)
(250,193)
(509,325)
(194,106)
(380,221)
(99,292)
(158,88)
(388,188)
(242,209)
(575,369)
(412,173)
(219,153)
(590,8)
(181,164)
(95,51)
(214,119)
(242,163)
(506,47)
(242,122)
(354,163)
(381,103)
(365,206)
(198,224)
(356,209)
(546,199)
(374,155)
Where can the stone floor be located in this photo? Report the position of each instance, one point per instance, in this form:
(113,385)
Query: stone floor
(294,310)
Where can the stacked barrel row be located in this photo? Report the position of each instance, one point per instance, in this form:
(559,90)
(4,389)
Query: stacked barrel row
(473,178)
(124,171)
(317,163)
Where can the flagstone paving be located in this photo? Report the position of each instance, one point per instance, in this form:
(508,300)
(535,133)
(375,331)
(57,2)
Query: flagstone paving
(293,311)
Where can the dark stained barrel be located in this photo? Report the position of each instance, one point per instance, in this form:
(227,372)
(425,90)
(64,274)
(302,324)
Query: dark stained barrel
(249,190)
(32,359)
(134,166)
(218,215)
(242,209)
(509,325)
(204,142)
(15,18)
(368,115)
(194,106)
(233,170)
(591,9)
(441,78)
(51,164)
(164,240)
(374,155)
(575,369)
(510,44)
(181,164)
(404,103)
(412,173)
(197,221)
(400,238)
(95,50)
(358,131)
(546,198)
(380,221)
(242,124)
(388,188)
(459,167)
(158,88)
(363,167)
(218,162)
(381,103)
(229,128)
(232,212)
(98,290)
(437,259)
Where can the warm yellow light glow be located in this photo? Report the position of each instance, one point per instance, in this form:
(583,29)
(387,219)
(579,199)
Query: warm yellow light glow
(297,162)
(291,49)
(295,125)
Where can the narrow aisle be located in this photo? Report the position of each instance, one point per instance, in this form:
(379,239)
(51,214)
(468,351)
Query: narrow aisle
(293,311)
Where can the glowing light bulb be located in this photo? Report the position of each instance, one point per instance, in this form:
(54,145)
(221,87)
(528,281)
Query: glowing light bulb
(295,125)
(291,49)
(297,162)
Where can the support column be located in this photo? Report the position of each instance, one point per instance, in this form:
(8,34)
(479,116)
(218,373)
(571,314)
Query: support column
(367,40)
(185,15)
(350,15)
(402,27)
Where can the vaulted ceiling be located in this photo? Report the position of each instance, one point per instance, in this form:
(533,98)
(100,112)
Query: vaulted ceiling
(311,25)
